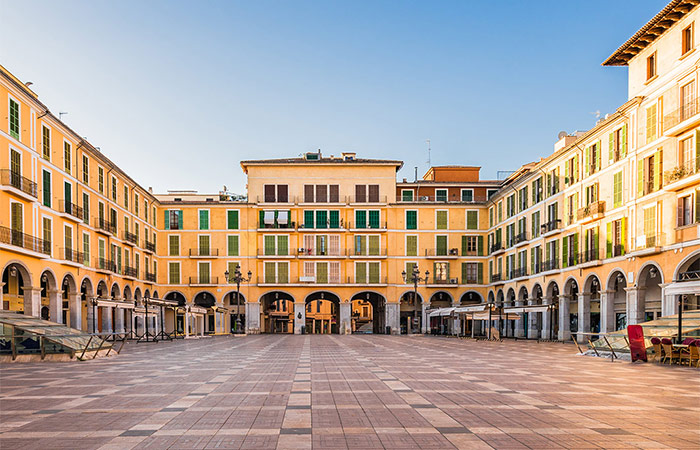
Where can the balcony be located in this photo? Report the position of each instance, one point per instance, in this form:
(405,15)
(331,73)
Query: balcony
(470,252)
(571,260)
(442,253)
(204,252)
(284,200)
(131,238)
(496,278)
(520,239)
(17,181)
(273,279)
(470,279)
(442,199)
(496,248)
(25,241)
(367,199)
(319,253)
(518,273)
(105,226)
(73,255)
(454,282)
(263,225)
(272,253)
(329,200)
(618,250)
(550,227)
(71,209)
(552,264)
(592,211)
(648,244)
(679,120)
(150,277)
(680,177)
(204,281)
(150,246)
(328,227)
(589,256)
(367,226)
(131,272)
(105,265)
(367,253)
(326,279)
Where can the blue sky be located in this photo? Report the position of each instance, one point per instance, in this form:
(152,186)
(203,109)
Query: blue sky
(177,93)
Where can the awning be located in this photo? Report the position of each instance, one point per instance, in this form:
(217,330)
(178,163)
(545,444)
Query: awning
(114,303)
(269,218)
(441,312)
(526,309)
(472,308)
(283,217)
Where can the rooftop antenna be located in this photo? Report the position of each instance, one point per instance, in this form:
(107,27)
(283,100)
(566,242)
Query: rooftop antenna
(61,114)
(416,174)
(429,163)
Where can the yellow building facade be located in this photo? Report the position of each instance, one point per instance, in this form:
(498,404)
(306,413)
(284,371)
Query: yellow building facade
(603,231)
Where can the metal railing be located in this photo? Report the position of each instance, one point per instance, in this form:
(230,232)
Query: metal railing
(468,252)
(71,208)
(273,199)
(443,281)
(274,252)
(589,256)
(276,226)
(689,275)
(131,272)
(273,280)
(11,178)
(441,199)
(496,247)
(26,241)
(520,237)
(496,277)
(151,277)
(367,199)
(551,264)
(367,252)
(618,250)
(591,209)
(204,280)
(519,272)
(679,172)
(204,252)
(571,260)
(307,252)
(685,112)
(369,280)
(150,246)
(105,225)
(442,252)
(552,225)
(131,237)
(72,255)
(105,264)
(340,199)
(329,226)
(367,226)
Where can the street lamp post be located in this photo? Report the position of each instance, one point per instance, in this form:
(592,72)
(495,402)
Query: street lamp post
(237,277)
(415,278)
(93,302)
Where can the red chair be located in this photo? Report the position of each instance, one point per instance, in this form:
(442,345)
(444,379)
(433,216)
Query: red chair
(658,351)
(669,352)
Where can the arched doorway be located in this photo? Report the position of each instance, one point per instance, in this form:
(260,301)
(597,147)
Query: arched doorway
(648,303)
(207,300)
(49,296)
(87,294)
(441,324)
(550,330)
(368,313)
(411,312)
(589,309)
(508,324)
(534,319)
(570,309)
(277,312)
(69,304)
(521,323)
(322,313)
(235,302)
(17,290)
(614,313)
(180,317)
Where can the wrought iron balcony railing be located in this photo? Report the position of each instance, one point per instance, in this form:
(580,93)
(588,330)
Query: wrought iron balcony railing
(11,178)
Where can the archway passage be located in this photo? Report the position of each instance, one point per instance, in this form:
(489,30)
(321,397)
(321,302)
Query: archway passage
(15,279)
(411,313)
(617,301)
(179,315)
(368,313)
(322,313)
(648,303)
(235,303)
(440,324)
(49,287)
(277,313)
(207,300)
(68,309)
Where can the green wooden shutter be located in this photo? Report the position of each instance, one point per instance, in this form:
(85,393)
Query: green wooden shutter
(232,222)
(47,188)
(308,219)
(180,222)
(623,143)
(269,245)
(564,252)
(658,155)
(532,262)
(270,272)
(321,219)
(373,244)
(611,153)
(575,247)
(640,178)
(14,119)
(472,220)
(480,273)
(411,220)
(233,246)
(465,273)
(623,233)
(166,219)
(567,179)
(282,245)
(360,219)
(608,240)
(586,162)
(322,272)
(480,245)
(373,272)
(283,272)
(374,219)
(697,205)
(203,220)
(411,245)
(334,219)
(441,244)
(360,272)
(464,245)
(261,219)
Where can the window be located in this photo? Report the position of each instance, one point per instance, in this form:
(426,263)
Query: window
(440,195)
(490,217)
(136,203)
(114,189)
(86,208)
(591,159)
(615,238)
(367,219)
(687,157)
(321,245)
(86,249)
(649,228)
(46,231)
(591,193)
(126,197)
(233,245)
(275,219)
(86,173)
(276,245)
(535,222)
(232,220)
(687,39)
(536,260)
(203,219)
(367,272)
(412,245)
(685,211)
(499,210)
(572,207)
(537,191)
(367,193)
(204,245)
(276,272)
(406,195)
(688,101)
(100,180)
(276,193)
(649,172)
(204,272)
(571,171)
(174,245)
(46,188)
(651,123)
(617,189)
(472,220)
(174,272)
(321,193)
(14,119)
(441,245)
(522,199)
(617,144)
(67,156)
(46,142)
(467,195)
(651,66)
(553,181)
(510,205)
(569,250)
(440,220)
(113,219)
(491,192)
(411,220)
(173,219)
(469,245)
(441,271)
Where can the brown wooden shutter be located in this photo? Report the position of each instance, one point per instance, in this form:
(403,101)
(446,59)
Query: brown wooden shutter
(360,196)
(374,193)
(321,193)
(282,193)
(334,193)
(269,193)
(308,193)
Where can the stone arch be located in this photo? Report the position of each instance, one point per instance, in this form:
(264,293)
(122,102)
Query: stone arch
(471,297)
(646,304)
(491,297)
(204,299)
(500,299)
(178,296)
(137,294)
(155,294)
(690,263)
(612,277)
(653,270)
(522,294)
(276,312)
(441,299)
(410,312)
(115,291)
(101,289)
(553,290)
(127,292)
(536,294)
(21,269)
(229,298)
(377,303)
(510,296)
(615,316)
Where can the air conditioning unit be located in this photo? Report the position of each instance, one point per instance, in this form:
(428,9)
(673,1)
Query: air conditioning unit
(307,279)
(424,198)
(301,250)
(454,281)
(454,252)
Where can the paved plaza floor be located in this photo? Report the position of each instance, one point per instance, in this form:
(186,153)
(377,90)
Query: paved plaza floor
(347,392)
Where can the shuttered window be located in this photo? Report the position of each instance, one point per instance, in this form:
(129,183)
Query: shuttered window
(412,245)
(203,219)
(174,273)
(46,143)
(441,245)
(14,119)
(233,246)
(374,219)
(232,220)
(441,220)
(472,220)
(174,245)
(46,187)
(411,220)
(617,189)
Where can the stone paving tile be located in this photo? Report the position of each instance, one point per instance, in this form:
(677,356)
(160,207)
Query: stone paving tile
(347,392)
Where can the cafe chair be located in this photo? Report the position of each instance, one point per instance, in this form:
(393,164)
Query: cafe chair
(658,352)
(669,352)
